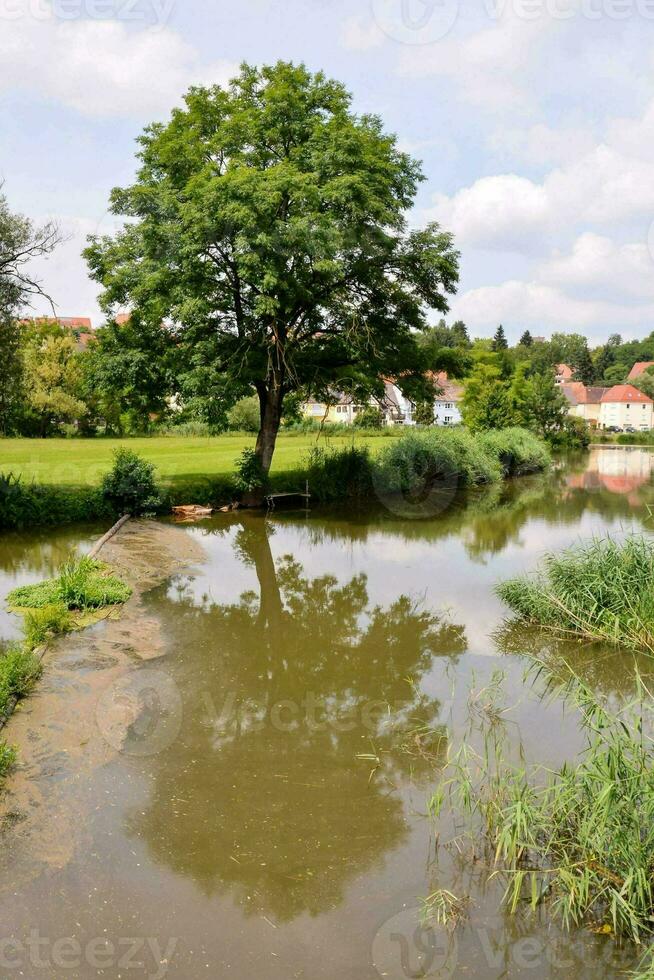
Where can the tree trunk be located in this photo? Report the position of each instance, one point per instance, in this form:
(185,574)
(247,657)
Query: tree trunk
(271,398)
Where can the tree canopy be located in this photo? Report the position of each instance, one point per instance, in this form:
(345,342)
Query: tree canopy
(268,228)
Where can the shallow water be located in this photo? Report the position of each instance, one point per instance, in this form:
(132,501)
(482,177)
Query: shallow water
(263,811)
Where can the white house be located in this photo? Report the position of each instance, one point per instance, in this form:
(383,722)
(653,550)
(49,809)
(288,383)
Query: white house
(448,401)
(624,406)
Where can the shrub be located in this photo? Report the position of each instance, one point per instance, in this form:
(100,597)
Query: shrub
(189,429)
(245,416)
(574,433)
(130,486)
(369,418)
(82,584)
(27,504)
(249,475)
(602,591)
(518,451)
(337,473)
(436,457)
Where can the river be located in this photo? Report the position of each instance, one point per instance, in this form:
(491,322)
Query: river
(232,781)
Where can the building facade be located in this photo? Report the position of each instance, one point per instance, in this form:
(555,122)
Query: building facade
(625,407)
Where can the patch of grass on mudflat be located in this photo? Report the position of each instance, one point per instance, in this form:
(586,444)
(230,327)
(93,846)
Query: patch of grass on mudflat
(19,669)
(603,590)
(81,584)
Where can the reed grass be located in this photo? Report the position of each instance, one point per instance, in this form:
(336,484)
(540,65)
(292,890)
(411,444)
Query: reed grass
(81,584)
(602,590)
(576,842)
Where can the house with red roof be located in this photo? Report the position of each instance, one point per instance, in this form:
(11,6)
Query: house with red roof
(639,368)
(564,374)
(625,407)
(585,401)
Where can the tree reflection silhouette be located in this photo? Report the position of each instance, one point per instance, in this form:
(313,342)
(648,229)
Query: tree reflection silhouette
(263,794)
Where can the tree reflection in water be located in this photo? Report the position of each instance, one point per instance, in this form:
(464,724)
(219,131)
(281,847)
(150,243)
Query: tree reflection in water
(262,793)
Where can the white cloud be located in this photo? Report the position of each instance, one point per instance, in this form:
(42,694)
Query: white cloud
(495,212)
(101,68)
(507,211)
(521,304)
(488,65)
(598,264)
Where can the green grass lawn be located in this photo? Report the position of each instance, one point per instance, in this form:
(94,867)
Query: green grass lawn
(180,461)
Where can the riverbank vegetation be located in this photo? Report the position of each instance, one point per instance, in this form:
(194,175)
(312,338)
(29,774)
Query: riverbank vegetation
(337,468)
(577,840)
(424,460)
(82,584)
(600,590)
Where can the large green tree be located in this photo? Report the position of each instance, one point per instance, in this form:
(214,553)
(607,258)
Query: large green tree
(20,243)
(267,226)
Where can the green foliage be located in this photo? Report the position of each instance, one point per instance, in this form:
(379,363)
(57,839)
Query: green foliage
(19,669)
(433,458)
(128,375)
(518,451)
(602,590)
(29,504)
(245,416)
(7,759)
(424,413)
(580,839)
(130,486)
(526,340)
(300,206)
(342,473)
(45,621)
(249,473)
(369,417)
(538,404)
(53,369)
(499,340)
(486,403)
(81,584)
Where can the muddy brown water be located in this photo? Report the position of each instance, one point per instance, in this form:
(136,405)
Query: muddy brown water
(232,779)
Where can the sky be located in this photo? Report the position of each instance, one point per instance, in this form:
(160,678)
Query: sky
(534,120)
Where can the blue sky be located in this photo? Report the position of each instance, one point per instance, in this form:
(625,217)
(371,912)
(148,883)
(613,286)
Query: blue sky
(534,119)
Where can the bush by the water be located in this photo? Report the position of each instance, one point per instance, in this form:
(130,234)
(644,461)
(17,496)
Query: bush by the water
(602,590)
(518,451)
(81,584)
(130,486)
(428,458)
(19,669)
(27,504)
(337,473)
(424,459)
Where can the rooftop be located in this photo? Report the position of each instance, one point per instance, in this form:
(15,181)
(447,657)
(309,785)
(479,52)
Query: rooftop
(639,368)
(625,393)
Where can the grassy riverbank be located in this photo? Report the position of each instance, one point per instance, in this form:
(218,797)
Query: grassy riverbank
(69,601)
(181,462)
(601,591)
(409,464)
